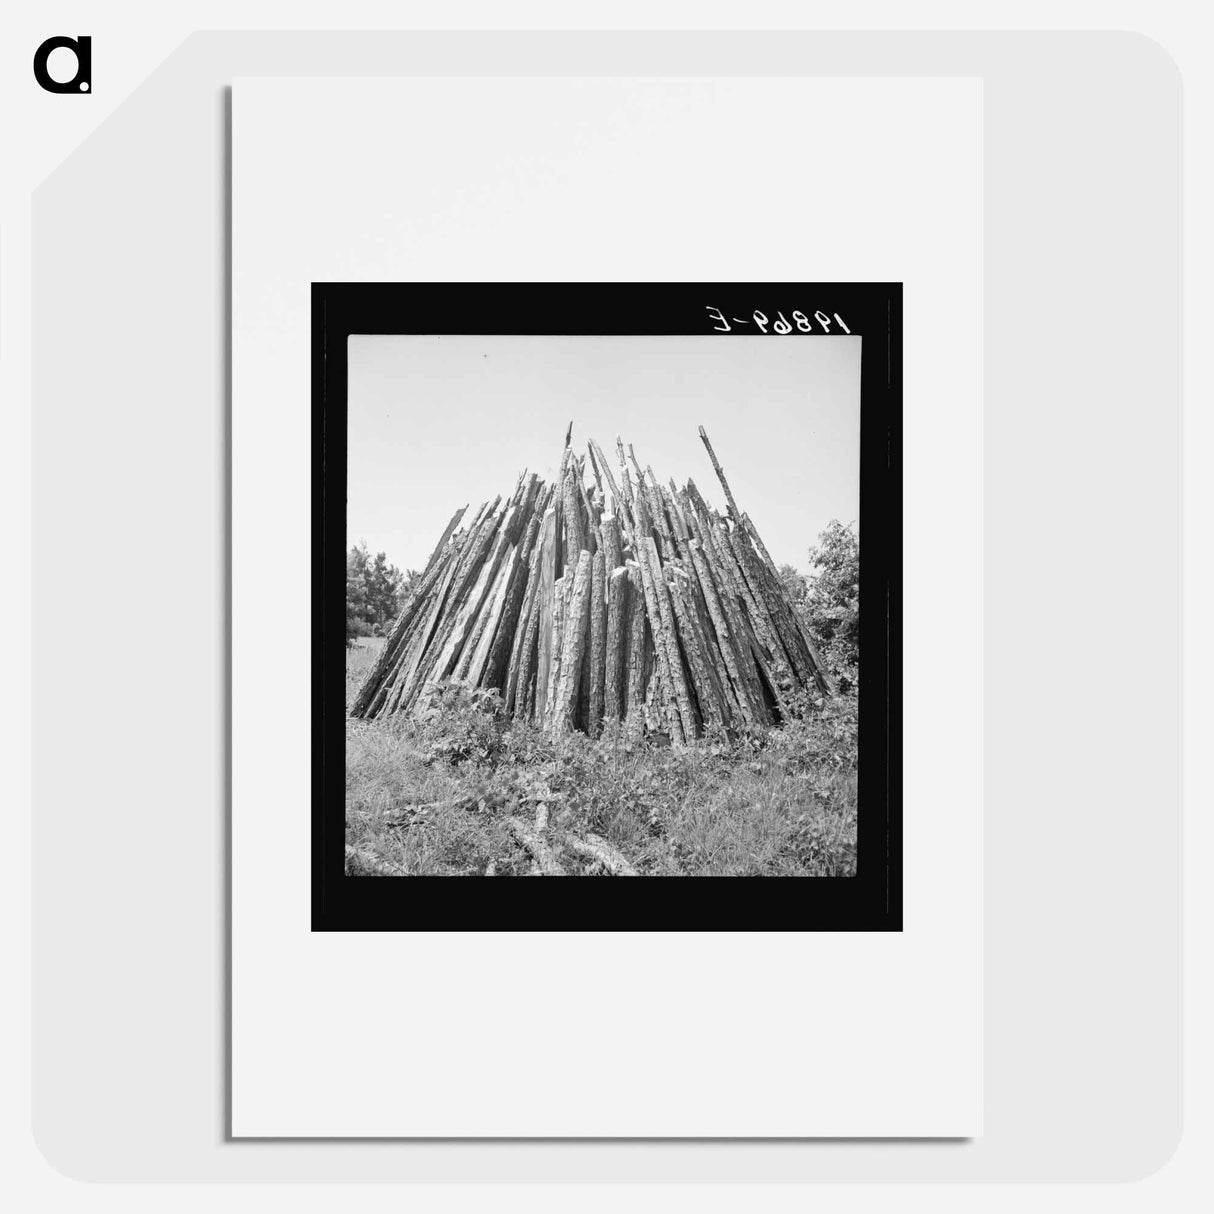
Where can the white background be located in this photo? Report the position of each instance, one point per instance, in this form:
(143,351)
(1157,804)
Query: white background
(714,1034)
(1063,1125)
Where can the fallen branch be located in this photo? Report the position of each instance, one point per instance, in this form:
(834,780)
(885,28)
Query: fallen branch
(596,848)
(542,853)
(371,864)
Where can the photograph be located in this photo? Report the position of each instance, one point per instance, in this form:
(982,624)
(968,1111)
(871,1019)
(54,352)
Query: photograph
(602,597)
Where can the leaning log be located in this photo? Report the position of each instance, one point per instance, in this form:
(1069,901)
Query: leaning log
(613,672)
(598,642)
(547,581)
(596,848)
(576,623)
(540,851)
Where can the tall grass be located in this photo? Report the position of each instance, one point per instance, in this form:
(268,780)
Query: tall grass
(432,795)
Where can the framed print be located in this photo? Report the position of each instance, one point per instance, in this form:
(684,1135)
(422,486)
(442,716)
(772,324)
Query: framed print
(596,469)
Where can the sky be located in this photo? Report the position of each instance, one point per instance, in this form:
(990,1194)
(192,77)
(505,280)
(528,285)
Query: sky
(437,422)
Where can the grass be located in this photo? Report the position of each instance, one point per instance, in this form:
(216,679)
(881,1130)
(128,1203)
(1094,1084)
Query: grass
(432,796)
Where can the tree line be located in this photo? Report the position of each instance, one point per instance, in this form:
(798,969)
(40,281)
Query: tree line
(375,592)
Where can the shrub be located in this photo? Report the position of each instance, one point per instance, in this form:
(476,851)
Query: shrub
(459,724)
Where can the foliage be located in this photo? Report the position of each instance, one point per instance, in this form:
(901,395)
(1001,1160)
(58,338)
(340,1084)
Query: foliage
(832,601)
(461,725)
(795,586)
(433,793)
(375,592)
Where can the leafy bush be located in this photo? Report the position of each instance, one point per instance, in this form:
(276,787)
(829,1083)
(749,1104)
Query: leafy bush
(460,724)
(832,604)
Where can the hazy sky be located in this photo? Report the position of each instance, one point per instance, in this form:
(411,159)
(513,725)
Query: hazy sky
(439,421)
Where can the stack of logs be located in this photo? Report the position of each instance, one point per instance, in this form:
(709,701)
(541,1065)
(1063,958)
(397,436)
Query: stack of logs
(623,601)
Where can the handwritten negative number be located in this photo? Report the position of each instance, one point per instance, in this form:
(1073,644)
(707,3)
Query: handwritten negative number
(780,325)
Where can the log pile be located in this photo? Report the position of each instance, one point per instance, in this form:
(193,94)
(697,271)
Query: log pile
(605,597)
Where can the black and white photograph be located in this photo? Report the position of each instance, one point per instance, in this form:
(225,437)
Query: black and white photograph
(602,591)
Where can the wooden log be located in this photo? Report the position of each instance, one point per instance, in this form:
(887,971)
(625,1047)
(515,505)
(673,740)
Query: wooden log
(377,683)
(614,689)
(540,851)
(727,641)
(598,643)
(497,664)
(661,620)
(473,668)
(472,561)
(545,602)
(522,683)
(573,646)
(734,513)
(558,636)
(575,536)
(635,662)
(759,546)
(653,711)
(469,610)
(594,467)
(589,515)
(596,848)
(650,506)
(400,683)
(622,503)
(398,635)
(703,682)
(524,628)
(613,553)
(785,661)
(448,531)
(742,612)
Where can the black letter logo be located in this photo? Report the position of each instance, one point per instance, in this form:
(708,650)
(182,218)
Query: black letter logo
(82,48)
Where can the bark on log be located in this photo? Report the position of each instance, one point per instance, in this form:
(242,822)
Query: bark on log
(540,851)
(384,673)
(521,686)
(727,642)
(471,566)
(622,503)
(712,455)
(575,536)
(635,695)
(393,648)
(661,620)
(594,847)
(465,620)
(613,673)
(497,665)
(707,692)
(573,646)
(613,554)
(558,638)
(598,643)
(759,546)
(401,682)
(527,621)
(546,583)
(491,615)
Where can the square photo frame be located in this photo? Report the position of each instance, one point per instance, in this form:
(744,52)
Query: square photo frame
(657,356)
